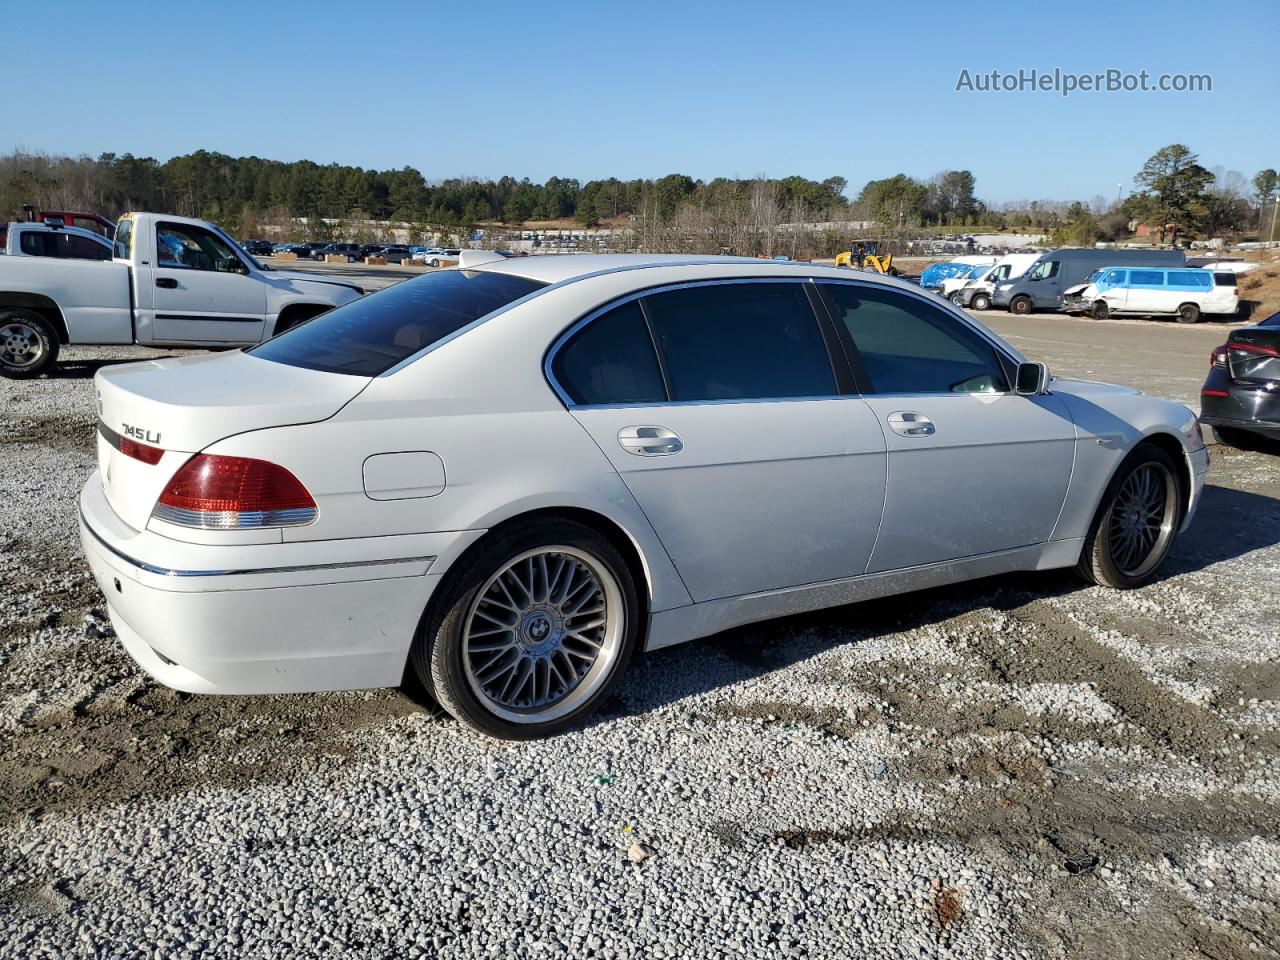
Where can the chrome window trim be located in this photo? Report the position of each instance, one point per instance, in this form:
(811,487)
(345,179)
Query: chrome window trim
(558,343)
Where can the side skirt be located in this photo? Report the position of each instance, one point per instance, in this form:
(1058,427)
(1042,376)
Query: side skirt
(670,627)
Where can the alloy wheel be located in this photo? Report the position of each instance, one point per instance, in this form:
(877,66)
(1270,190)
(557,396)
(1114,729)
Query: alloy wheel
(1140,524)
(20,344)
(542,634)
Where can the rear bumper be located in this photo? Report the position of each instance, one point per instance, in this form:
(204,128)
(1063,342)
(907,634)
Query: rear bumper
(262,618)
(1255,408)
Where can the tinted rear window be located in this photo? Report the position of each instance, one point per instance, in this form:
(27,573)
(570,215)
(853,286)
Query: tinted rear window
(371,335)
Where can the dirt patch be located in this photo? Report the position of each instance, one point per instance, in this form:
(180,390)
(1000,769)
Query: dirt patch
(829,720)
(73,433)
(126,737)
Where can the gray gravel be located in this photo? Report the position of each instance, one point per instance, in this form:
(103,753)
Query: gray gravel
(1013,768)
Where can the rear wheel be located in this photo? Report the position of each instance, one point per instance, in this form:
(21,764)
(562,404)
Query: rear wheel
(1020,305)
(1188,313)
(1136,522)
(532,631)
(28,344)
(1100,310)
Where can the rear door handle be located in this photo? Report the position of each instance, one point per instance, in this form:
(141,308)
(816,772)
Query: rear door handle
(908,423)
(167,282)
(649,441)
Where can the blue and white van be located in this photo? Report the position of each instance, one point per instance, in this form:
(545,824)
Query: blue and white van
(1184,292)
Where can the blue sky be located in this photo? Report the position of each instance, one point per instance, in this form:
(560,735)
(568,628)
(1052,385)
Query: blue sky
(632,89)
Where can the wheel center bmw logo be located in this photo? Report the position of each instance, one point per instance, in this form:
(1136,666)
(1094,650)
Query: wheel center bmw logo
(539,627)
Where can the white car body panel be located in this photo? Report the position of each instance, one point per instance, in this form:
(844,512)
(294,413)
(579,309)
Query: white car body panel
(772,507)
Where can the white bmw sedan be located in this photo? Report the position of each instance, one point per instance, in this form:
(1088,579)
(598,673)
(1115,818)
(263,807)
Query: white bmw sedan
(510,476)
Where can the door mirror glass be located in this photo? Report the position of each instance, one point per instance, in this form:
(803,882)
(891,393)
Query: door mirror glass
(1032,379)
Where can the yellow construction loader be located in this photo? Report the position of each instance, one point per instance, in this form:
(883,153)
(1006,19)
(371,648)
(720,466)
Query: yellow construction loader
(863,255)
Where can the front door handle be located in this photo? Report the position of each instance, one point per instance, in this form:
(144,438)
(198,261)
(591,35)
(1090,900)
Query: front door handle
(649,441)
(908,423)
(167,282)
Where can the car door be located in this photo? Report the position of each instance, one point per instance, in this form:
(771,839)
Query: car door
(719,406)
(973,468)
(1045,284)
(202,291)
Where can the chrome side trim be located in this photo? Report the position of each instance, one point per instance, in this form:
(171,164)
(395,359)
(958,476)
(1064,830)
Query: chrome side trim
(299,568)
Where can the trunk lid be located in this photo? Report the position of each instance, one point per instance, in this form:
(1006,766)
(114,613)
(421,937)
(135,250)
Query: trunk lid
(1253,354)
(182,405)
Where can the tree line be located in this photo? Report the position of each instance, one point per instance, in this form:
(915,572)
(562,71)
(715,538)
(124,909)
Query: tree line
(1173,193)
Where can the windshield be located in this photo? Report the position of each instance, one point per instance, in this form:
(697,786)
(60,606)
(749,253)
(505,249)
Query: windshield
(371,335)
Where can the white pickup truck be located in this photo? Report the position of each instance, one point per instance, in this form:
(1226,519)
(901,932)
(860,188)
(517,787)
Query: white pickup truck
(174,281)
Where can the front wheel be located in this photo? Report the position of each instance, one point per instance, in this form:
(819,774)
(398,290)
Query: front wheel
(1100,311)
(1020,305)
(957,298)
(435,262)
(1136,522)
(28,344)
(980,301)
(531,632)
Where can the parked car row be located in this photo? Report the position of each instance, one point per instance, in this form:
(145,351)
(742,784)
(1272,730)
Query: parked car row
(356,252)
(1094,282)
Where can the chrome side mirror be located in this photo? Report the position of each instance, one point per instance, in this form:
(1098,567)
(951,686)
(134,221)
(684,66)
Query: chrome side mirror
(1032,379)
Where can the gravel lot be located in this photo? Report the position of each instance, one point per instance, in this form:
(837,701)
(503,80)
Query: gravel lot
(1018,767)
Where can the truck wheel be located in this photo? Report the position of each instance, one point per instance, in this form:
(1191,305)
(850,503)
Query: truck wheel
(28,344)
(1188,313)
(1020,305)
(957,298)
(980,301)
(1100,311)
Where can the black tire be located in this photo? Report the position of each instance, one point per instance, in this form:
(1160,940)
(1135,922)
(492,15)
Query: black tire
(435,262)
(1188,313)
(439,655)
(1103,560)
(980,301)
(28,344)
(350,259)
(1020,305)
(1100,310)
(957,298)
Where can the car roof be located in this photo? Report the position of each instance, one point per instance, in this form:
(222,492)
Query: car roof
(558,268)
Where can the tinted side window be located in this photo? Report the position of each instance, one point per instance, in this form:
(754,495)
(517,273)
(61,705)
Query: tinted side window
(1151,278)
(611,360)
(908,346)
(1189,278)
(1224,279)
(741,341)
(35,244)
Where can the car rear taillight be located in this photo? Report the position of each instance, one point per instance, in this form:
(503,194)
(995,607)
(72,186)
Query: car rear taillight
(234,493)
(130,448)
(1252,348)
(1219,357)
